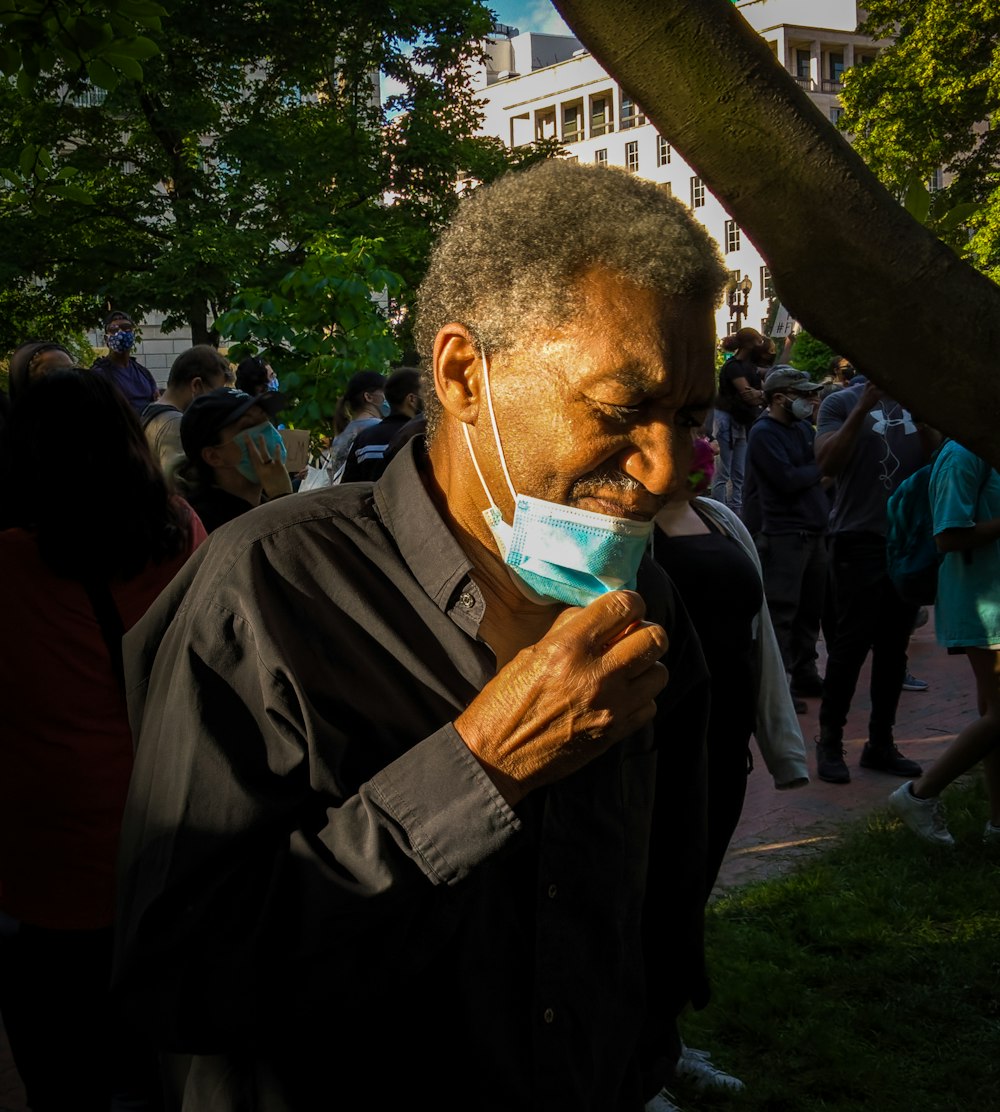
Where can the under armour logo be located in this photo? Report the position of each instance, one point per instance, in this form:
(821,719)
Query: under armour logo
(883,421)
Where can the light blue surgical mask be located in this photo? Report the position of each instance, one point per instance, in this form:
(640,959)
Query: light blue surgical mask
(385,407)
(274,447)
(560,553)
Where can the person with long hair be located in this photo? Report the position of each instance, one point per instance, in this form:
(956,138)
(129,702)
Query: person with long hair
(95,536)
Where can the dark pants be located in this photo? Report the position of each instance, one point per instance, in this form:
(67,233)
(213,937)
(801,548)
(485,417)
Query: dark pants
(795,571)
(70,1050)
(870,616)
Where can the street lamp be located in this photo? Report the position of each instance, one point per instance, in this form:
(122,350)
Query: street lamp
(739,298)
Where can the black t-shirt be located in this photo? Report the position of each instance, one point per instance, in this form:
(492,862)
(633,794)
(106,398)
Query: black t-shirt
(728,398)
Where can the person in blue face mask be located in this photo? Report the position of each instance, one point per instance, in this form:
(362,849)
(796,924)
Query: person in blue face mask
(435,743)
(235,455)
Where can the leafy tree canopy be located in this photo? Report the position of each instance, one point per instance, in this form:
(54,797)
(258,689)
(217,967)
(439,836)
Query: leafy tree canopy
(929,101)
(96,37)
(253,131)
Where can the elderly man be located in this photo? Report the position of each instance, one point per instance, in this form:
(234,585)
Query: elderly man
(419,773)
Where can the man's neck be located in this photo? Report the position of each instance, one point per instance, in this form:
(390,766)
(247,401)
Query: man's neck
(177,398)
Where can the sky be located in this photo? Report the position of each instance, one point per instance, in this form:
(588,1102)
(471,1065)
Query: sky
(530,15)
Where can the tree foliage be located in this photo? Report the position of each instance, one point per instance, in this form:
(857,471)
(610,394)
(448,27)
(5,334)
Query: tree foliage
(320,324)
(929,101)
(253,131)
(107,39)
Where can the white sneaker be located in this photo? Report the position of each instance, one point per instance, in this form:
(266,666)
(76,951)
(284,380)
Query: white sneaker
(991,835)
(695,1066)
(923,816)
(662,1102)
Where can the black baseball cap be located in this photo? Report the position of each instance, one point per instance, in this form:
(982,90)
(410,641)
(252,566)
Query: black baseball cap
(209,413)
(784,377)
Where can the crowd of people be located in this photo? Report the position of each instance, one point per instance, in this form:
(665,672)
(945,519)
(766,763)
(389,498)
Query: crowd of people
(441,742)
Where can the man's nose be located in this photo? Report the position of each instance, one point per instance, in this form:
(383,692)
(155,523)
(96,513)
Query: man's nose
(655,456)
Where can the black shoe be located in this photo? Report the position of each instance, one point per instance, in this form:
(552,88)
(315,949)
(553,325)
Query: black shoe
(830,763)
(800,706)
(887,758)
(810,686)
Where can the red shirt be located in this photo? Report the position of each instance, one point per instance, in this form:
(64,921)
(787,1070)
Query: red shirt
(65,743)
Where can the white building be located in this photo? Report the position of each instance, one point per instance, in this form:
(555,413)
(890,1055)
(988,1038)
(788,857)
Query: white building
(548,86)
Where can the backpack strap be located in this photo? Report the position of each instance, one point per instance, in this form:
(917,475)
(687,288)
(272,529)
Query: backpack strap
(152,411)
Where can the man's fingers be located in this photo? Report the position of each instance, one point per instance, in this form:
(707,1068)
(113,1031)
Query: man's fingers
(597,625)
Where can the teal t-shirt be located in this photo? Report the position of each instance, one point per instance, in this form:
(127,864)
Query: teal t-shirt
(963,490)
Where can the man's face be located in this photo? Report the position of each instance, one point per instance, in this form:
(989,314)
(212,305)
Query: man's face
(599,414)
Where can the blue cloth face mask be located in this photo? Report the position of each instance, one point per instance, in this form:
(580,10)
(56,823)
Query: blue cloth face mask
(122,341)
(560,553)
(274,447)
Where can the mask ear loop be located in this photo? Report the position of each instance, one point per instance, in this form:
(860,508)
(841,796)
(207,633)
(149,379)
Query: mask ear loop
(496,437)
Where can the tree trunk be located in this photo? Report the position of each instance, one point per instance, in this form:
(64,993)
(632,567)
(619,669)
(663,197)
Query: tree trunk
(846,258)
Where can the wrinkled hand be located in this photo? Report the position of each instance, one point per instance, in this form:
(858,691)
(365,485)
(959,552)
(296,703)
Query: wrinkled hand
(588,683)
(271,472)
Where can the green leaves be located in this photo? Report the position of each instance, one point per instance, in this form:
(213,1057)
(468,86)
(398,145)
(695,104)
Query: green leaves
(102,39)
(326,320)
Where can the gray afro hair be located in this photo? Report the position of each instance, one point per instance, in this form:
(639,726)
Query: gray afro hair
(505,264)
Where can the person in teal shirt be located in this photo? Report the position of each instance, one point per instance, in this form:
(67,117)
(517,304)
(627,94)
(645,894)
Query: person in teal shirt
(965,501)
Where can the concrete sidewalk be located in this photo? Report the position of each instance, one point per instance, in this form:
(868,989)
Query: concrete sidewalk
(778,828)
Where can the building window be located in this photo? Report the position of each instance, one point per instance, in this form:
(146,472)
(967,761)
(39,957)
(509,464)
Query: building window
(803,65)
(601,156)
(836,62)
(864,59)
(667,188)
(545,124)
(571,158)
(734,280)
(662,151)
(732,327)
(631,115)
(632,157)
(732,236)
(935,181)
(766,285)
(835,114)
(601,122)
(572,123)
(697,193)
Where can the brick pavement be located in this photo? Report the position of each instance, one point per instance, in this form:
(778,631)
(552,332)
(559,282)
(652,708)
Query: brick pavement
(778,828)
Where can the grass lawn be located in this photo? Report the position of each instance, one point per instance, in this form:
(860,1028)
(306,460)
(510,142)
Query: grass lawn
(870,978)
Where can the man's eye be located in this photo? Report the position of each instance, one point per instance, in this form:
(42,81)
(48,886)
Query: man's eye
(620,412)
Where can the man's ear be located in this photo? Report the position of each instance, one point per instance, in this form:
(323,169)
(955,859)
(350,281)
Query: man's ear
(211,454)
(457,372)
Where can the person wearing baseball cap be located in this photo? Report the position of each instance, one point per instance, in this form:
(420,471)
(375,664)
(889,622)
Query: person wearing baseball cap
(793,510)
(235,455)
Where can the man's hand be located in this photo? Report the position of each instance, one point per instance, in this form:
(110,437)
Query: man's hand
(271,472)
(588,683)
(870,396)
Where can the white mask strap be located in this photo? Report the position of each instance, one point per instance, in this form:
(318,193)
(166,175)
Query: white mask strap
(496,437)
(493,422)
